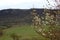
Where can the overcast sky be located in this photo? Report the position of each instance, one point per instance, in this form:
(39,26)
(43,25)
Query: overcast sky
(24,4)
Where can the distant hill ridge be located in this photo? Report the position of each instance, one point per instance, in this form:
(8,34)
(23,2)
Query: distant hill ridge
(17,16)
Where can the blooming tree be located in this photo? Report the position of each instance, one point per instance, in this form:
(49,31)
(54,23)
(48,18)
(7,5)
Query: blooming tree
(50,30)
(56,4)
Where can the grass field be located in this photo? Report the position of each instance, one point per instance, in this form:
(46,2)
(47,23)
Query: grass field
(25,32)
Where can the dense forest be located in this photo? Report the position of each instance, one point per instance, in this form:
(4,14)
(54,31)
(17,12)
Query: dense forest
(9,17)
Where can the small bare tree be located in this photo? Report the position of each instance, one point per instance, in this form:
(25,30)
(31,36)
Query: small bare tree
(1,32)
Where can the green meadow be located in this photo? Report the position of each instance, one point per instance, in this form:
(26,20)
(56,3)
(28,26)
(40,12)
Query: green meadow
(25,32)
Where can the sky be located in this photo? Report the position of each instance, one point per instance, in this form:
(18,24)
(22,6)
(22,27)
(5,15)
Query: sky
(24,4)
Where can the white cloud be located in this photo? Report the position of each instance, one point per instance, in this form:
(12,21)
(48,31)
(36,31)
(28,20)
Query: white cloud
(22,3)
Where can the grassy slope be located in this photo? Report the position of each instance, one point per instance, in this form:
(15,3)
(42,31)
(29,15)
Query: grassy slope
(26,32)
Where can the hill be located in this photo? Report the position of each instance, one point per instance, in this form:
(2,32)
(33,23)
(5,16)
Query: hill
(9,17)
